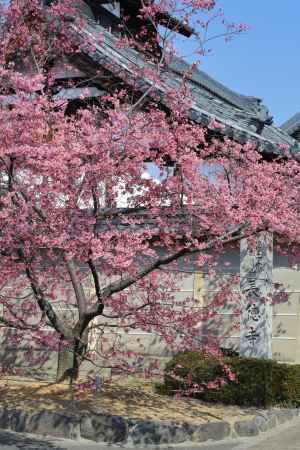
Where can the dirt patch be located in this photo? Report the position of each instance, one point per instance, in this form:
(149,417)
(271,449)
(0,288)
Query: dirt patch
(129,397)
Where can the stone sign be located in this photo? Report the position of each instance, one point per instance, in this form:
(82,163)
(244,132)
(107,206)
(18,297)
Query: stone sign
(256,284)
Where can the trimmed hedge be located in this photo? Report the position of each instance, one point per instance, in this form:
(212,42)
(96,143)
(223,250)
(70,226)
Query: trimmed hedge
(258,382)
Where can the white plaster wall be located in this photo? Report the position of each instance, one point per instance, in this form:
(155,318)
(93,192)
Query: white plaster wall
(286,313)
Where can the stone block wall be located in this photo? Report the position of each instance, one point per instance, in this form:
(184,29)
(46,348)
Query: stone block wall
(286,319)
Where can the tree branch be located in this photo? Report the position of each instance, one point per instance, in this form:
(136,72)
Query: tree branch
(118,286)
(96,284)
(77,286)
(44,305)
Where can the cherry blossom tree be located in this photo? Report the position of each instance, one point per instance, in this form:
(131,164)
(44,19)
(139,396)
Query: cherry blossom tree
(85,224)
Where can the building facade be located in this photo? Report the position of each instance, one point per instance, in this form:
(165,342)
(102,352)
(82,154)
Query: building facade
(243,118)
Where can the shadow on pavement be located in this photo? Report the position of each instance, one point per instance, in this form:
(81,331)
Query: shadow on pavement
(24,442)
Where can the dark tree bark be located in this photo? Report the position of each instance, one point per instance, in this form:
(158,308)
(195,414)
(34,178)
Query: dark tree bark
(65,360)
(70,356)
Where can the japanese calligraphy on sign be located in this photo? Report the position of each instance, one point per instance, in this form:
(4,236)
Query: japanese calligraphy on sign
(253,312)
(256,285)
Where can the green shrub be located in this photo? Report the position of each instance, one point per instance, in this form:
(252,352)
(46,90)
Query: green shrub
(258,382)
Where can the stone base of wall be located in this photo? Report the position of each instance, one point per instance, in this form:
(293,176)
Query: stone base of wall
(98,426)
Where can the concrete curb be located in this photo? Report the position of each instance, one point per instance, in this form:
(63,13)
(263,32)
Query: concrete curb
(99,426)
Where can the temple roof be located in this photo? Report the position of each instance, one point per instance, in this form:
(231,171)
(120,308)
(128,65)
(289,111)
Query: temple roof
(132,8)
(253,105)
(292,125)
(244,118)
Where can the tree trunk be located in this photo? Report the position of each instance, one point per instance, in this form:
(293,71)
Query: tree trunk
(65,360)
(70,357)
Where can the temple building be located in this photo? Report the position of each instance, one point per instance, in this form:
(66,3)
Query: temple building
(292,126)
(244,118)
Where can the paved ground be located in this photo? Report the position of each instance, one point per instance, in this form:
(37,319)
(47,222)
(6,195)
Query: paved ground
(286,437)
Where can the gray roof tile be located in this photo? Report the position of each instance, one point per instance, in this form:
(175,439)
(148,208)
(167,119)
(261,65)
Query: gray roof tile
(240,114)
(292,125)
(251,104)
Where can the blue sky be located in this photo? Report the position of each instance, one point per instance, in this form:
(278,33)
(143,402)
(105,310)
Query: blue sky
(264,62)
